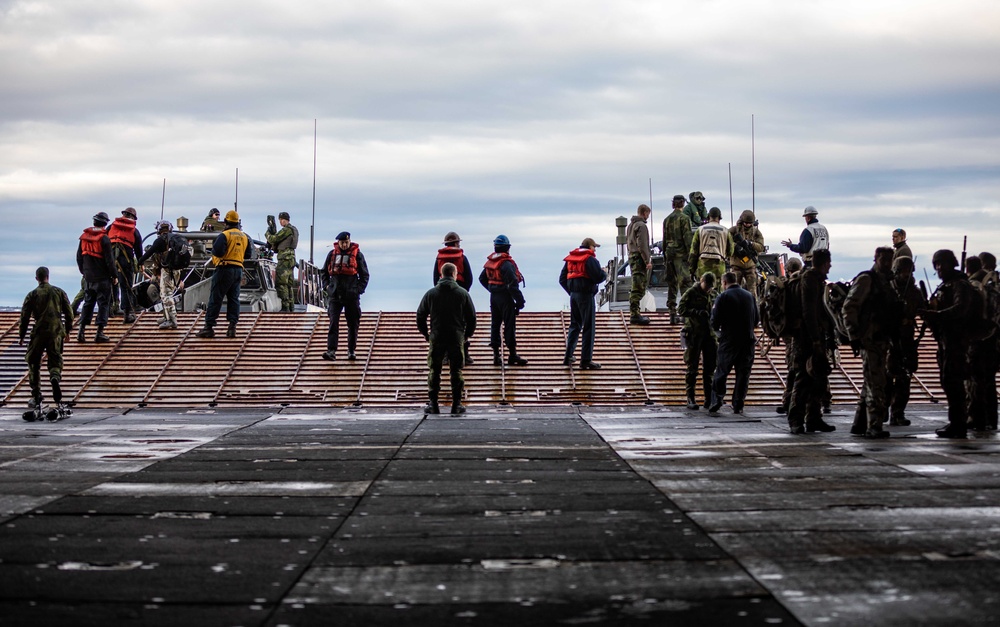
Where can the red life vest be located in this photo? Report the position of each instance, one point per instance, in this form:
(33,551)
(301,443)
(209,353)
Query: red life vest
(90,242)
(343,262)
(122,231)
(576,263)
(451,254)
(492,266)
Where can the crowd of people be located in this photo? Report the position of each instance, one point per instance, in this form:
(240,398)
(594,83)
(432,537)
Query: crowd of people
(711,276)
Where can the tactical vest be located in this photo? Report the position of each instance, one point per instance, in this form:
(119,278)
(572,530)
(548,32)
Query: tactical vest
(289,243)
(821,239)
(122,232)
(90,242)
(236,246)
(712,238)
(451,254)
(343,262)
(492,266)
(576,263)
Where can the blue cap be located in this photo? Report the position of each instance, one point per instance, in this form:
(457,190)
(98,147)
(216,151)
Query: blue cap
(343,235)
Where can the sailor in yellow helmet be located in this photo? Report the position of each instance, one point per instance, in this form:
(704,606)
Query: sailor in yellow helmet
(231,247)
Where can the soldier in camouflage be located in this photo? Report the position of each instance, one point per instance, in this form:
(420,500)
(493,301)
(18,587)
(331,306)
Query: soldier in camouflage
(676,245)
(50,308)
(872,314)
(749,243)
(711,246)
(700,339)
(284,243)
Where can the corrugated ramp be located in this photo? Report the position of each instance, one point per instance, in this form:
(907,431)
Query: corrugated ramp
(275,360)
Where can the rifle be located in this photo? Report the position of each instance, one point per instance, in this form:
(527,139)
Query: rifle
(965,240)
(744,248)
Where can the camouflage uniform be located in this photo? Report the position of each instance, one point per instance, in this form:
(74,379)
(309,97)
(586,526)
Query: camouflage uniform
(871,313)
(285,242)
(50,307)
(808,354)
(696,307)
(639,257)
(676,245)
(744,266)
(902,361)
(948,318)
(711,246)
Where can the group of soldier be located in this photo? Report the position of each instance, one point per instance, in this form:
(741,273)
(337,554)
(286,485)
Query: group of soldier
(879,311)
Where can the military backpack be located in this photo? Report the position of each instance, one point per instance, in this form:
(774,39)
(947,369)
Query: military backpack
(781,306)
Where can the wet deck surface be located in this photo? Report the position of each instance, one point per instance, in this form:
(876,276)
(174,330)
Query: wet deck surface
(572,516)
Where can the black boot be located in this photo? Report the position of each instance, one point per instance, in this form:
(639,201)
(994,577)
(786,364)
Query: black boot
(99,337)
(80,337)
(231,331)
(516,360)
(206,332)
(497,359)
(432,406)
(691,402)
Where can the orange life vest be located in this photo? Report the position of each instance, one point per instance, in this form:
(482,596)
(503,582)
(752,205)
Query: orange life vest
(343,262)
(576,263)
(451,254)
(492,266)
(122,232)
(90,242)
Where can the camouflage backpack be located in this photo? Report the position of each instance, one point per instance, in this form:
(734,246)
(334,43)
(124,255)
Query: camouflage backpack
(780,308)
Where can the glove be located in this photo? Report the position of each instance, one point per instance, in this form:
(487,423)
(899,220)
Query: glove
(271,228)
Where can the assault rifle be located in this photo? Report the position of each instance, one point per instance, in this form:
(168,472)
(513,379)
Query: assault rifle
(744,249)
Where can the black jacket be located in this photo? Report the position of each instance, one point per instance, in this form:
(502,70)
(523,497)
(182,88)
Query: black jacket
(735,317)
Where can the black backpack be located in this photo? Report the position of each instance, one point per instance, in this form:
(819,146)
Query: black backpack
(780,308)
(178,255)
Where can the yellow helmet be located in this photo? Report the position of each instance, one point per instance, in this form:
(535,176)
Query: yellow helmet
(232,217)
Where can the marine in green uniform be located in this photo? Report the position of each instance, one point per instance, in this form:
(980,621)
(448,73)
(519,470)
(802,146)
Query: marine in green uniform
(676,244)
(50,308)
(284,243)
(700,339)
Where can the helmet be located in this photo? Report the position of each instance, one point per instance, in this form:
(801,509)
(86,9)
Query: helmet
(747,216)
(232,217)
(284,216)
(129,211)
(452,238)
(164,223)
(945,258)
(809,211)
(501,240)
(102,218)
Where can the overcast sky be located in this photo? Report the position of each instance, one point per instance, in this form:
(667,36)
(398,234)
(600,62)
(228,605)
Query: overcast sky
(542,120)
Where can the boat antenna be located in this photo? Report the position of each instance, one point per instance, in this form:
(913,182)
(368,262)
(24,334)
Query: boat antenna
(236,202)
(312,227)
(650,210)
(731,194)
(753,170)
(163,198)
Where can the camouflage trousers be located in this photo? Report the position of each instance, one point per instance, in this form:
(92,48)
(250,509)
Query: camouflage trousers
(746,276)
(168,283)
(715,266)
(436,353)
(640,279)
(701,348)
(284,281)
(874,390)
(678,277)
(51,347)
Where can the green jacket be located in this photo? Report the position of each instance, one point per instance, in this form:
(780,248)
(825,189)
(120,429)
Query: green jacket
(285,239)
(697,214)
(677,233)
(451,312)
(48,305)
(696,307)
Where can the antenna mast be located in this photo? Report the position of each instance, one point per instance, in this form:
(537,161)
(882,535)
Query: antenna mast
(753,171)
(312,227)
(163,198)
